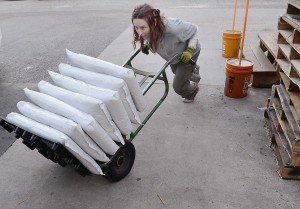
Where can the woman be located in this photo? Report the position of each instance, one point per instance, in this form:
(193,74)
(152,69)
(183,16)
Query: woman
(168,37)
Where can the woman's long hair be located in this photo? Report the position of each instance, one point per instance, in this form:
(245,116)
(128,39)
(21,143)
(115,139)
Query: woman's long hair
(155,21)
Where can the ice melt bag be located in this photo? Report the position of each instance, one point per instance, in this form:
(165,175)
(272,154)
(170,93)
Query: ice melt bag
(90,105)
(64,125)
(104,81)
(87,122)
(109,97)
(100,66)
(55,136)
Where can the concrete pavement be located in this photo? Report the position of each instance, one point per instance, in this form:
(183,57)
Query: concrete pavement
(213,153)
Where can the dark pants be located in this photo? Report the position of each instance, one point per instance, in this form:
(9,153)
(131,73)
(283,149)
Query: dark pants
(183,72)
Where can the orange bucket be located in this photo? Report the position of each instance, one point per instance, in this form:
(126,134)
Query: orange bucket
(231,43)
(237,77)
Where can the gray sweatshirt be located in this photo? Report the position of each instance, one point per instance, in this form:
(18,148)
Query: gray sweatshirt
(179,35)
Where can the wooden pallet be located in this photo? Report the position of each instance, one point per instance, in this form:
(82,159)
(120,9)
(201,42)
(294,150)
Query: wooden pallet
(268,43)
(295,4)
(286,118)
(290,83)
(283,131)
(263,57)
(264,73)
(293,96)
(293,12)
(285,170)
(289,34)
(288,56)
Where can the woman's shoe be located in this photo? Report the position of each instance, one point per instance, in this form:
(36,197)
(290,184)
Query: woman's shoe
(192,97)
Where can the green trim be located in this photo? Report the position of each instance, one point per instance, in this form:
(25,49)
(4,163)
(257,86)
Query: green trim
(160,75)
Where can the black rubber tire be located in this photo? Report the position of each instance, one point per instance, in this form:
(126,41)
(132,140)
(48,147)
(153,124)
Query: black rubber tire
(121,163)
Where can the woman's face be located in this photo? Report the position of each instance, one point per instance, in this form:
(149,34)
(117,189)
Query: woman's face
(141,27)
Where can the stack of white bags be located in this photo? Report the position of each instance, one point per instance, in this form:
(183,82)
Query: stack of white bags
(90,106)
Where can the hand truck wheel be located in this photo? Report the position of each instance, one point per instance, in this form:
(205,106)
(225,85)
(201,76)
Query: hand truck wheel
(120,163)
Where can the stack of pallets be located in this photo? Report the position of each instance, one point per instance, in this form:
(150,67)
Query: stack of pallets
(283,110)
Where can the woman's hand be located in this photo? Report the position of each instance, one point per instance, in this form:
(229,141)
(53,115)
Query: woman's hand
(186,56)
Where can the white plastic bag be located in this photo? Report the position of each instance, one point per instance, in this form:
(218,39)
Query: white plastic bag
(64,125)
(104,81)
(87,122)
(109,97)
(100,66)
(55,136)
(90,105)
